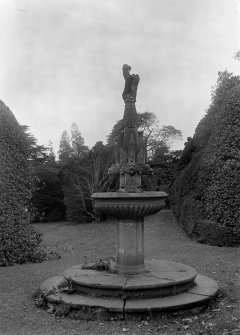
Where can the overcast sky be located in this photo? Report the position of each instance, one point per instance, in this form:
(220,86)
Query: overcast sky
(61,61)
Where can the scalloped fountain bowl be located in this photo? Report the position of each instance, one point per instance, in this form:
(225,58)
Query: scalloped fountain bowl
(129,205)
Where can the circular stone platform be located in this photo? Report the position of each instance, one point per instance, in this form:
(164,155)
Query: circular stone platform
(161,278)
(164,286)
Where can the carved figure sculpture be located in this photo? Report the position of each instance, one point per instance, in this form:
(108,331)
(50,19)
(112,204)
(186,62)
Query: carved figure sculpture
(130,151)
(130,143)
(131,84)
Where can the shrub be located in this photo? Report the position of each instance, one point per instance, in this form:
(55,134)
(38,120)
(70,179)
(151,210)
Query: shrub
(211,232)
(191,214)
(19,242)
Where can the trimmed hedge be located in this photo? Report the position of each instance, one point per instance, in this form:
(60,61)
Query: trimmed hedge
(19,242)
(206,192)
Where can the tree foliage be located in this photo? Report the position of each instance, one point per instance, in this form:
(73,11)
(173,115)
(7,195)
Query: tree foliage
(47,200)
(47,196)
(79,150)
(237,55)
(71,174)
(86,171)
(100,158)
(72,147)
(164,165)
(207,190)
(81,178)
(160,140)
(65,150)
(38,154)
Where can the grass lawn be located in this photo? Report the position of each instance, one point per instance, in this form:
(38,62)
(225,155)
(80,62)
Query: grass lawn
(164,239)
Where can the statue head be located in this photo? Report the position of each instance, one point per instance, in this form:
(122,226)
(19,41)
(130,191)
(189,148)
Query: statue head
(126,68)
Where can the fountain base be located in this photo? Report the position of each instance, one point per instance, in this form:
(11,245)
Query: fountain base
(165,286)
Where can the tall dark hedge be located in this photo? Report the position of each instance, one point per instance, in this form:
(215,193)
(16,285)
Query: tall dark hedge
(206,192)
(19,242)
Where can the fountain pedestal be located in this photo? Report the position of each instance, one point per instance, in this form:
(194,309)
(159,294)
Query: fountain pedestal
(130,246)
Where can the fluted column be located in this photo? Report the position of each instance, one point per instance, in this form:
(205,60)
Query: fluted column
(130,246)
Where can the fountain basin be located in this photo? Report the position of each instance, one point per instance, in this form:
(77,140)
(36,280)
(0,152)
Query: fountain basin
(129,205)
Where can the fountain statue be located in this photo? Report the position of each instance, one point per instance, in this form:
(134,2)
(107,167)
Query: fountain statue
(130,205)
(130,149)
(128,283)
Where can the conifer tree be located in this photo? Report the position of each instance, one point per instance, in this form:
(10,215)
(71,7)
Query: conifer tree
(78,147)
(65,150)
(51,154)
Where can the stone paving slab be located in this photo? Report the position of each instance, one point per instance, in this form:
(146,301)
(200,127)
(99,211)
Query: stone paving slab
(146,281)
(204,286)
(94,278)
(178,272)
(79,300)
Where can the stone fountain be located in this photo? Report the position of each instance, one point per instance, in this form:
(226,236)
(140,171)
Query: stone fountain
(130,284)
(130,205)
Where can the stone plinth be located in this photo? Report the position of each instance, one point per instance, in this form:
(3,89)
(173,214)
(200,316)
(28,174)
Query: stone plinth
(130,246)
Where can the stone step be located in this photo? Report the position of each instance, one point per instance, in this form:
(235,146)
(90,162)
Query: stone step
(202,292)
(161,278)
(205,289)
